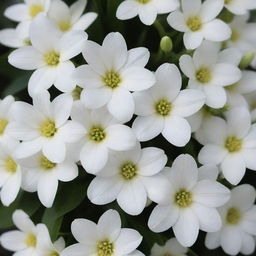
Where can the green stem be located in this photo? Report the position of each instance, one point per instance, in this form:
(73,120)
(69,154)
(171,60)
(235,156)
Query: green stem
(192,253)
(159,27)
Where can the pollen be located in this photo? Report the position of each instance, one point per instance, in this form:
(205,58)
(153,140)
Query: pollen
(97,134)
(35,9)
(112,79)
(3,124)
(163,107)
(105,248)
(194,23)
(235,35)
(46,164)
(143,1)
(233,144)
(203,75)
(233,216)
(76,93)
(183,198)
(64,25)
(52,58)
(128,171)
(10,165)
(48,129)
(30,240)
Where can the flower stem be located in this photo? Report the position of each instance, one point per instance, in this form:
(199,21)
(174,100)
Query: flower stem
(159,27)
(192,253)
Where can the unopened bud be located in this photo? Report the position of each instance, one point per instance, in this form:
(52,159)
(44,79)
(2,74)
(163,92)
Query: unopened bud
(247,60)
(166,44)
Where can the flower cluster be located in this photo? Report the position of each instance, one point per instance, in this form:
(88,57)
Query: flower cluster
(176,136)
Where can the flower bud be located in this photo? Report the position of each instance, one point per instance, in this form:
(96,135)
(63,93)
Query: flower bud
(166,44)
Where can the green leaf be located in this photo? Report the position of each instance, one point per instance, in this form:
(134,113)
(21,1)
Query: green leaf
(68,198)
(28,202)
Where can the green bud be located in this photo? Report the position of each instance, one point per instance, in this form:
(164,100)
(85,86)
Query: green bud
(247,60)
(166,44)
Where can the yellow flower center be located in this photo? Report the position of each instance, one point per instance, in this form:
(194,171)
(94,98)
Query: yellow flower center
(233,216)
(97,134)
(234,35)
(105,248)
(163,107)
(34,9)
(46,164)
(128,171)
(233,144)
(30,240)
(228,1)
(203,75)
(54,253)
(183,198)
(52,58)
(76,93)
(10,165)
(65,25)
(3,124)
(194,23)
(112,79)
(48,129)
(143,1)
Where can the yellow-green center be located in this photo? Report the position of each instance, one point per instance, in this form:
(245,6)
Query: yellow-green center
(194,23)
(163,107)
(30,240)
(76,93)
(48,129)
(54,253)
(128,170)
(143,1)
(105,248)
(46,164)
(233,144)
(111,79)
(52,58)
(64,25)
(234,36)
(3,124)
(34,9)
(228,1)
(203,75)
(10,165)
(233,216)
(183,198)
(97,134)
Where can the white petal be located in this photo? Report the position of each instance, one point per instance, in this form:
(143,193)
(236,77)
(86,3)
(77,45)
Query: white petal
(17,12)
(127,10)
(120,137)
(192,40)
(85,21)
(22,221)
(216,30)
(230,55)
(9,38)
(177,131)
(162,218)
(78,249)
(190,7)
(138,56)
(249,158)
(208,171)
(148,14)
(144,103)
(210,9)
(132,197)
(177,21)
(248,244)
(215,96)
(166,6)
(104,190)
(47,189)
(212,240)
(59,11)
(55,150)
(233,168)
(147,127)
(77,9)
(27,58)
(209,218)
(13,240)
(93,157)
(71,44)
(187,66)
(67,171)
(186,228)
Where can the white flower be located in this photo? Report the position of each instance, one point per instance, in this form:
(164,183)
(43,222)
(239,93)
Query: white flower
(27,11)
(239,223)
(10,172)
(172,247)
(163,108)
(70,18)
(240,7)
(230,144)
(49,54)
(112,72)
(105,238)
(5,117)
(44,126)
(42,175)
(147,10)
(102,133)
(45,247)
(130,177)
(210,70)
(22,241)
(16,37)
(190,204)
(198,22)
